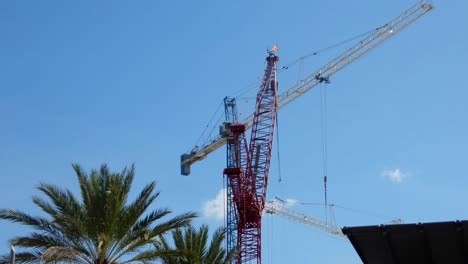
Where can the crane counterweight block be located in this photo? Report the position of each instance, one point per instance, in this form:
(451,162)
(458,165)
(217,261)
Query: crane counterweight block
(184,167)
(233,171)
(237,128)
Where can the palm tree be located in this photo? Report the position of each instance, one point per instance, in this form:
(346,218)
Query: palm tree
(193,244)
(100,228)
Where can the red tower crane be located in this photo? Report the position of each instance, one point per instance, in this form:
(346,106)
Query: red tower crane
(248,164)
(248,171)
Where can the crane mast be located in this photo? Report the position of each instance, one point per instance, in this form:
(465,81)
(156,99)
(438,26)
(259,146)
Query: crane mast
(248,167)
(231,116)
(361,48)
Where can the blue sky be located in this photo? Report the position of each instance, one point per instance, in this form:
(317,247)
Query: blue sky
(122,82)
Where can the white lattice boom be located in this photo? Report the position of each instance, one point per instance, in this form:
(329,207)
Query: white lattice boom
(276,208)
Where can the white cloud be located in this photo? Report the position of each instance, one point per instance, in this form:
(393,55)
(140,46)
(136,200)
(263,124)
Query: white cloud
(395,175)
(215,209)
(291,201)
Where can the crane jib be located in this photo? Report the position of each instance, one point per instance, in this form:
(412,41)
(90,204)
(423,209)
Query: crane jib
(362,47)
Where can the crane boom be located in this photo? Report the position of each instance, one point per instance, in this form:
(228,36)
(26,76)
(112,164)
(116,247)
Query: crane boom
(248,166)
(272,207)
(363,47)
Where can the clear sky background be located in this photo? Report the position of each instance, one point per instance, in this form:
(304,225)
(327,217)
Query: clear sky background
(122,82)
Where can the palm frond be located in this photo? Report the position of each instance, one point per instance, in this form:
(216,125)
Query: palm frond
(216,253)
(37,223)
(195,241)
(26,257)
(100,226)
(130,215)
(151,255)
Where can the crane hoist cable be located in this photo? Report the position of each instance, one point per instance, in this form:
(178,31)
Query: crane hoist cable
(253,85)
(336,45)
(392,219)
(323,125)
(300,74)
(249,88)
(246,101)
(352,54)
(354,210)
(280,179)
(213,126)
(366,212)
(208,125)
(208,138)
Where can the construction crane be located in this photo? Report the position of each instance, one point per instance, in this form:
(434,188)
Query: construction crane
(280,208)
(276,208)
(361,48)
(248,164)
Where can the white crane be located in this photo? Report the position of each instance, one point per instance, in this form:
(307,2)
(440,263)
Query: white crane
(278,208)
(361,48)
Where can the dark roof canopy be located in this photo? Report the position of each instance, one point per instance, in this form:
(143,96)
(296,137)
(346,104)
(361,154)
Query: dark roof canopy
(425,243)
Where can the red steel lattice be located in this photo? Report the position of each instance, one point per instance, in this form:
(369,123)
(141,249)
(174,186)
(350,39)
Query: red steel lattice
(249,178)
